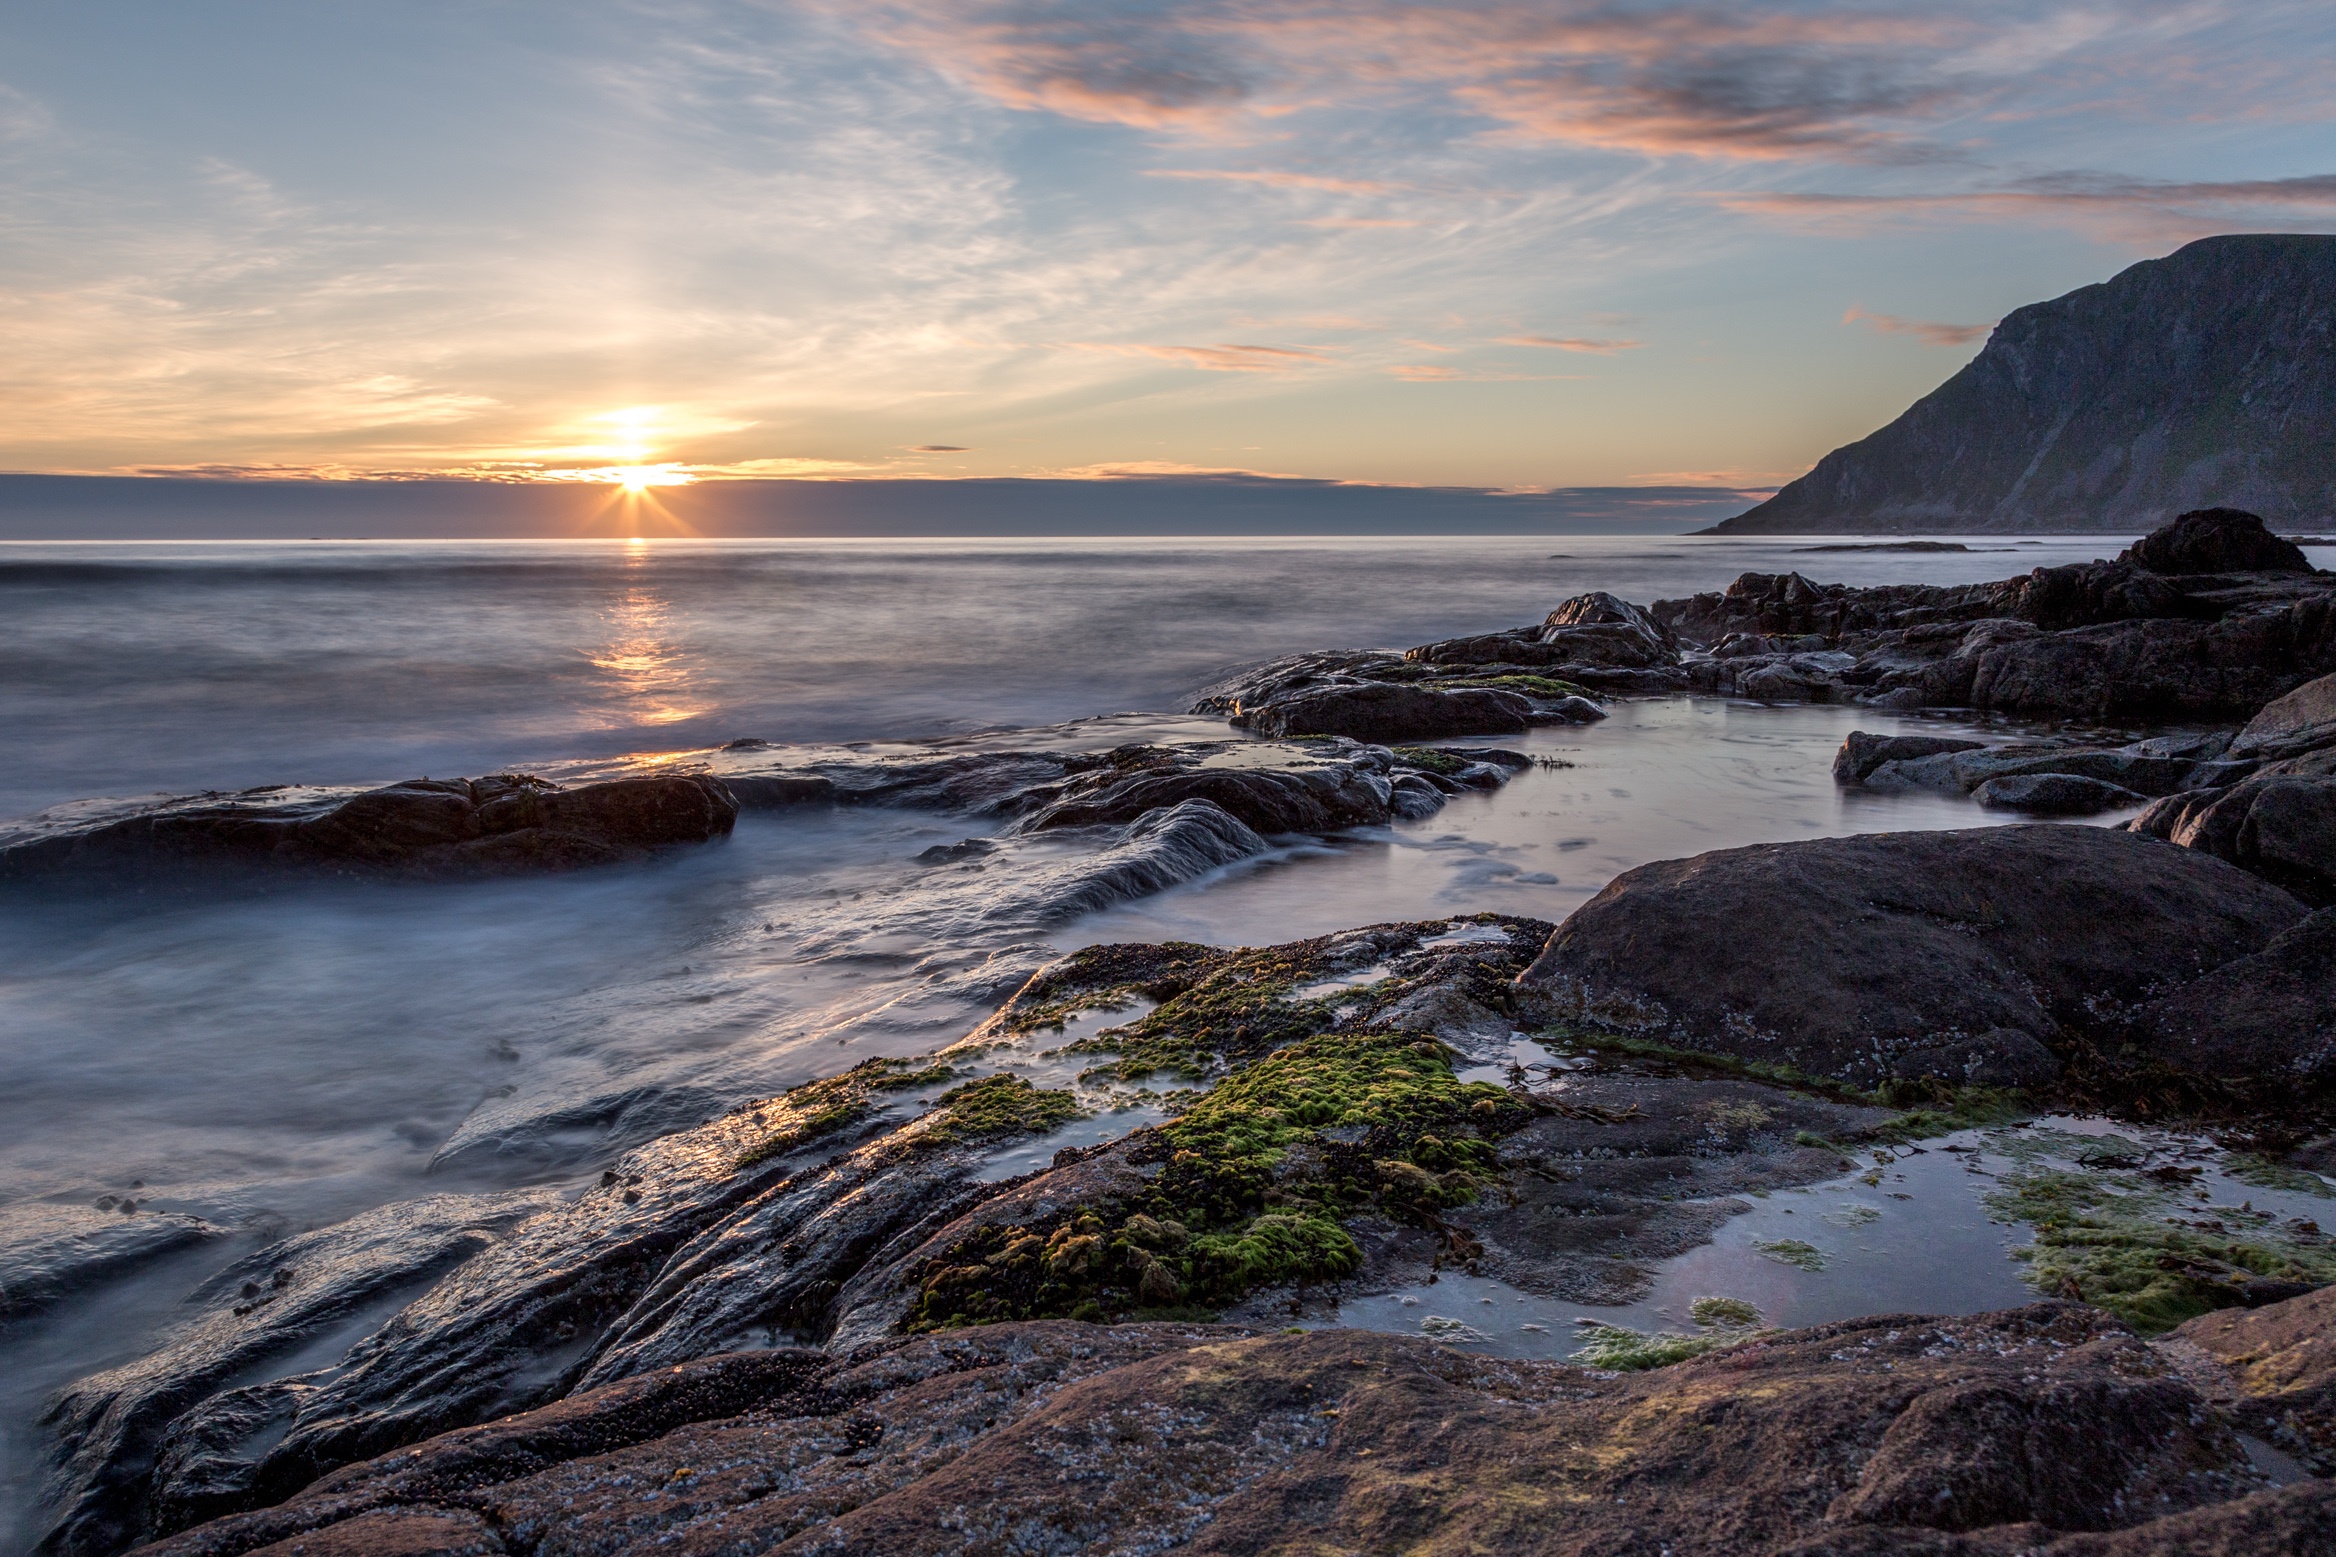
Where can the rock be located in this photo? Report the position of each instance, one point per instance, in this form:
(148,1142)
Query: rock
(1961,955)
(501,824)
(1315,798)
(1599,629)
(2216,540)
(2054,794)
(1975,1436)
(1381,711)
(2194,379)
(769,791)
(2274,1371)
(2281,827)
(1963,772)
(2100,640)
(52,1252)
(261,1310)
(1862,752)
(2271,1015)
(2304,720)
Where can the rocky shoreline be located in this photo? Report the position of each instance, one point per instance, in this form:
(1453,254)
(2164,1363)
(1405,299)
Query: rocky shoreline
(829,1321)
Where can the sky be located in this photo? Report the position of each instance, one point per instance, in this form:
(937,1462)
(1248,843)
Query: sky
(1519,246)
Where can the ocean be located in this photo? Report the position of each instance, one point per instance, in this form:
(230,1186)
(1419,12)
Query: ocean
(274,1060)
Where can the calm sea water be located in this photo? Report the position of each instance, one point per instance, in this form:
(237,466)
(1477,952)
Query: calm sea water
(278,1061)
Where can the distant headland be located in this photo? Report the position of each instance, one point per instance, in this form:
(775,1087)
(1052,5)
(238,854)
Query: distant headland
(2207,378)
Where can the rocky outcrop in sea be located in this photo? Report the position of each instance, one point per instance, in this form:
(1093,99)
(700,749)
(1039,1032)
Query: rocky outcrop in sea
(2205,378)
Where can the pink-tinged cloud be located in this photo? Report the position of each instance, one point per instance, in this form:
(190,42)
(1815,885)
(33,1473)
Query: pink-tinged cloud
(1927,331)
(1280,180)
(1603,348)
(1857,80)
(1215,359)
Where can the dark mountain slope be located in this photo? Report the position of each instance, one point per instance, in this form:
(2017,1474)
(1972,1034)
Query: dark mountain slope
(2204,378)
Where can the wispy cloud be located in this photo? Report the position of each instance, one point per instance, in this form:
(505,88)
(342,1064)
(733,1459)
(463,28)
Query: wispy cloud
(1279,180)
(1926,331)
(1215,359)
(1603,348)
(2142,210)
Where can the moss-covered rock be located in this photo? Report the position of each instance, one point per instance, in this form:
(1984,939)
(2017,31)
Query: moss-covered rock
(1251,1186)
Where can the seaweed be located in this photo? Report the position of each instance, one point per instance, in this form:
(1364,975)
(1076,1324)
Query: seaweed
(1618,1349)
(1724,1313)
(2110,1237)
(998,1105)
(1254,1180)
(1792,1251)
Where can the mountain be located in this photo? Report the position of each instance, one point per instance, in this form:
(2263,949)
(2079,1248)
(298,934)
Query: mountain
(2204,379)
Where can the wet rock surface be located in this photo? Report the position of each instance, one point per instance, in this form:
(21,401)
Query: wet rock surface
(2044,1429)
(1974,957)
(2155,634)
(504,824)
(2209,617)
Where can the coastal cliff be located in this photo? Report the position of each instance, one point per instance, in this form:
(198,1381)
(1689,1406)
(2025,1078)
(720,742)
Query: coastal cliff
(2207,377)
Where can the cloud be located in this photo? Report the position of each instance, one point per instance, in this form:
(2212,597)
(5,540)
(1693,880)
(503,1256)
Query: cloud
(1278,180)
(1436,373)
(939,448)
(1216,359)
(1930,334)
(2137,210)
(1856,81)
(1571,343)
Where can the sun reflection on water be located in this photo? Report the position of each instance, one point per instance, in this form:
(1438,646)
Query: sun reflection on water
(650,675)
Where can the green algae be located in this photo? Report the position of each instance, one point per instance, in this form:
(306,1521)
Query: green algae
(1792,1251)
(832,1103)
(1253,1182)
(998,1105)
(1618,1349)
(1521,682)
(1724,1313)
(2263,1173)
(2135,1244)
(1430,760)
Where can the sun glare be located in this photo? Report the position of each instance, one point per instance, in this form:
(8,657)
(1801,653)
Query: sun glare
(639,478)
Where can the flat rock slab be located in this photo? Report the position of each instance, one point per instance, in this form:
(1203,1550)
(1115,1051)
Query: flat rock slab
(2046,1429)
(1380,711)
(500,825)
(2054,794)
(1960,955)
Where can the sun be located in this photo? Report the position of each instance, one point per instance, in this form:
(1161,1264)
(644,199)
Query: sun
(639,478)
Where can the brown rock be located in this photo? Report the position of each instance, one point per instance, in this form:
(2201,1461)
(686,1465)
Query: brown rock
(1981,1435)
(1962,955)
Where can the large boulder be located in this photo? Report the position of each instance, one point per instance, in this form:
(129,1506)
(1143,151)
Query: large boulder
(1387,712)
(2304,720)
(2282,827)
(1966,956)
(1603,629)
(2216,540)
